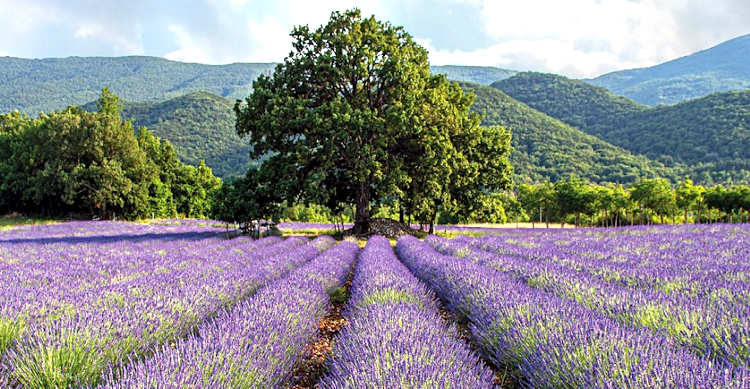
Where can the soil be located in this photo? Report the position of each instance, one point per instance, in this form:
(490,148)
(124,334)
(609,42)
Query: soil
(312,364)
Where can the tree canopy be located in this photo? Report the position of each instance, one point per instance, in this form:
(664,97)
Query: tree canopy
(79,163)
(353,115)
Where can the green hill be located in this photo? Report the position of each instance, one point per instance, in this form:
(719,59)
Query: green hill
(45,85)
(574,102)
(483,75)
(546,148)
(721,68)
(199,125)
(710,135)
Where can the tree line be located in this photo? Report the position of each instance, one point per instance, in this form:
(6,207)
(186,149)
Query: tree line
(648,201)
(74,163)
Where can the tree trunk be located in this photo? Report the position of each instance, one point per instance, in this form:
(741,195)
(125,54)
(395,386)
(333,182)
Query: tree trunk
(401,213)
(661,218)
(432,222)
(362,216)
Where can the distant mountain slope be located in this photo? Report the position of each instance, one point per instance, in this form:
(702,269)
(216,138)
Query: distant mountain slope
(483,75)
(574,102)
(721,68)
(710,135)
(199,125)
(34,86)
(44,85)
(546,148)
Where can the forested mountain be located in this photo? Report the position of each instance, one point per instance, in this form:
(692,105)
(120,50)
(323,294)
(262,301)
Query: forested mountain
(199,125)
(45,85)
(546,148)
(484,75)
(721,68)
(574,102)
(710,136)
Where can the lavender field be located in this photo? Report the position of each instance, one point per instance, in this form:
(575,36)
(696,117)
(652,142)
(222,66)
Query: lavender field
(124,305)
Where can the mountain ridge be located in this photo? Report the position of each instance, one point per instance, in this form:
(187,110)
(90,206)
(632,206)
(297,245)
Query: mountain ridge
(44,85)
(708,137)
(720,68)
(545,148)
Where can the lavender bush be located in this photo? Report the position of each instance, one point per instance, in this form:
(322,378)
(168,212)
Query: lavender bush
(133,293)
(395,337)
(253,345)
(558,342)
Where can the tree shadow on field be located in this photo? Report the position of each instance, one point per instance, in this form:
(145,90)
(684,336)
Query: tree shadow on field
(100,239)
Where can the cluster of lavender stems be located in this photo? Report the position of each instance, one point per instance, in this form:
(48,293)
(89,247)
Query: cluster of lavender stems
(134,290)
(715,325)
(557,342)
(253,345)
(394,336)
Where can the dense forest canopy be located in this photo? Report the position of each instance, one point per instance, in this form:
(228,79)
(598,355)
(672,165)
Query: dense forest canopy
(707,139)
(92,164)
(548,149)
(199,125)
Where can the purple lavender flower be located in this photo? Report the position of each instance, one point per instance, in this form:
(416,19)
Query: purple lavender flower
(395,337)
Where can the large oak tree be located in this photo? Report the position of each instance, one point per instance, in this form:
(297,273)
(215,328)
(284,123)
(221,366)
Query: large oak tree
(353,113)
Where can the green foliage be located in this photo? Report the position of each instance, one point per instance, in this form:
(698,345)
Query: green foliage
(574,102)
(200,126)
(656,195)
(707,139)
(243,200)
(353,116)
(718,69)
(615,205)
(710,136)
(574,196)
(482,75)
(545,149)
(73,162)
(34,86)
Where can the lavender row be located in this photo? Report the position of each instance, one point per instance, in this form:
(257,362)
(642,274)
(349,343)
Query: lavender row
(126,320)
(394,336)
(713,329)
(705,262)
(720,333)
(38,275)
(253,345)
(557,342)
(39,293)
(75,274)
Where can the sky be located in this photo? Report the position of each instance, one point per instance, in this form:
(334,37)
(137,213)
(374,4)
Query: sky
(577,38)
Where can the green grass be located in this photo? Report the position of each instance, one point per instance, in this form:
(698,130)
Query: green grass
(10,222)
